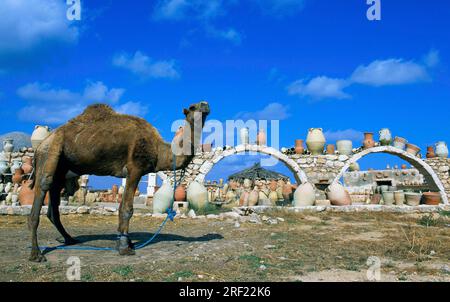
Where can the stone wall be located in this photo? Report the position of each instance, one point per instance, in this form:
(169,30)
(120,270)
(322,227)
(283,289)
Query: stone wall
(441,167)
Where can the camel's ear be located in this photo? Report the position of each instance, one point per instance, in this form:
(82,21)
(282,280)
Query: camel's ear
(185,111)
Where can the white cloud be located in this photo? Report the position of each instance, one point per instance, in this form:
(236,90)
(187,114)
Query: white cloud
(25,24)
(229,34)
(273,111)
(144,66)
(132,108)
(319,88)
(432,58)
(349,134)
(183,9)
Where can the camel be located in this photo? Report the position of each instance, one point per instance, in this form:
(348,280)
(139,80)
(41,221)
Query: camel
(102,142)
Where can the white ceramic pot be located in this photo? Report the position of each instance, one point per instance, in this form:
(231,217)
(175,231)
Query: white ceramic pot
(163,198)
(39,134)
(305,195)
(197,195)
(338,195)
(244,134)
(315,141)
(441,150)
(8,145)
(385,137)
(344,147)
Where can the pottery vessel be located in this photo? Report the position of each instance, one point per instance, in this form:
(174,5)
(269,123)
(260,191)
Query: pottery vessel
(26,195)
(273,197)
(163,198)
(261,138)
(39,134)
(338,195)
(4,167)
(180,193)
(244,132)
(375,199)
(430,152)
(412,149)
(230,197)
(247,183)
(413,199)
(243,200)
(432,198)
(385,137)
(305,195)
(299,148)
(388,198)
(404,167)
(368,140)
(287,191)
(331,149)
(197,195)
(8,145)
(27,164)
(315,141)
(253,197)
(441,150)
(399,197)
(400,143)
(344,147)
(273,185)
(16,164)
(17,177)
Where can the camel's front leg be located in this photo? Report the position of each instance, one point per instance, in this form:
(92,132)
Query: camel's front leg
(124,244)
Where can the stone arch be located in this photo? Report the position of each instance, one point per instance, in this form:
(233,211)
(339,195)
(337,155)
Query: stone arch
(300,176)
(430,176)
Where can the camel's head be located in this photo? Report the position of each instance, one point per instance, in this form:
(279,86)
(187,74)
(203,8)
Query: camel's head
(197,111)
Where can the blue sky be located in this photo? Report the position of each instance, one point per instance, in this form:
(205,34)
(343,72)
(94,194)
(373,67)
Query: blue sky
(309,63)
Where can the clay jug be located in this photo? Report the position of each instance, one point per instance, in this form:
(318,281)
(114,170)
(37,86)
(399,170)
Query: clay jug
(244,136)
(253,197)
(273,197)
(230,197)
(247,183)
(430,152)
(441,150)
(368,140)
(261,138)
(344,147)
(330,149)
(243,200)
(287,191)
(412,149)
(400,143)
(163,198)
(315,141)
(26,195)
(273,185)
(27,164)
(299,149)
(39,134)
(385,137)
(8,145)
(197,195)
(180,193)
(16,164)
(17,177)
(338,195)
(305,195)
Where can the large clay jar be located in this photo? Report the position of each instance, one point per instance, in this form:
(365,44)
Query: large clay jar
(273,197)
(261,138)
(299,149)
(305,195)
(385,137)
(163,198)
(230,197)
(432,198)
(180,193)
(412,149)
(38,135)
(430,152)
(253,197)
(243,200)
(8,145)
(247,183)
(315,141)
(388,198)
(400,143)
(287,191)
(344,147)
(368,140)
(413,199)
(399,197)
(331,149)
(338,195)
(26,195)
(442,150)
(244,136)
(17,177)
(27,164)
(197,195)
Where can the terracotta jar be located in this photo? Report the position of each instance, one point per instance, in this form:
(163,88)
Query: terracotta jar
(400,143)
(180,193)
(430,152)
(375,199)
(38,135)
(299,149)
(315,141)
(261,138)
(305,195)
(115,189)
(413,199)
(432,198)
(26,195)
(287,191)
(253,197)
(412,149)
(27,164)
(273,185)
(273,197)
(368,140)
(404,167)
(197,195)
(17,177)
(243,200)
(330,149)
(338,195)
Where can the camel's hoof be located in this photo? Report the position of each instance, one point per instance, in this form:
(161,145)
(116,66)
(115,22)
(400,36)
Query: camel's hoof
(125,246)
(128,251)
(37,257)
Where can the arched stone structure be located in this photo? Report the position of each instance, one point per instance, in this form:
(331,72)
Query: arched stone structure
(429,174)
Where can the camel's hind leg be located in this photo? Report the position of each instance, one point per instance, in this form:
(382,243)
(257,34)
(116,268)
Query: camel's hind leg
(36,254)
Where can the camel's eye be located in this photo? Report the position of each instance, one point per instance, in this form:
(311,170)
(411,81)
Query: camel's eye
(192,108)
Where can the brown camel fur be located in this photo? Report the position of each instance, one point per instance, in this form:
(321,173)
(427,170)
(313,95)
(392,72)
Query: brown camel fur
(102,142)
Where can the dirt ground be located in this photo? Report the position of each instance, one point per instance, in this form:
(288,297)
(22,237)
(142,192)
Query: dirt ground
(304,247)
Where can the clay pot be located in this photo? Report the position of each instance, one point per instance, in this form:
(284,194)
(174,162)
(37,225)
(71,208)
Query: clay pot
(8,145)
(330,149)
(115,189)
(441,150)
(197,195)
(368,140)
(404,167)
(39,134)
(399,197)
(432,198)
(273,197)
(230,197)
(375,199)
(243,200)
(305,195)
(253,197)
(400,143)
(163,198)
(16,164)
(315,141)
(338,195)
(17,177)
(344,147)
(26,195)
(385,137)
(412,149)
(430,152)
(27,164)
(244,135)
(287,191)
(273,185)
(299,149)
(247,183)
(180,193)
(388,198)
(261,138)
(413,199)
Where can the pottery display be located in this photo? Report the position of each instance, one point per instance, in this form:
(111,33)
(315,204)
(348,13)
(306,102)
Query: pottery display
(315,141)
(180,193)
(430,152)
(385,137)
(273,197)
(163,198)
(8,187)
(368,140)
(273,185)
(399,197)
(388,197)
(16,164)
(27,164)
(412,149)
(17,177)
(26,195)
(338,195)
(253,197)
(432,198)
(197,195)
(4,167)
(39,134)
(244,132)
(230,196)
(400,143)
(331,149)
(413,199)
(299,148)
(243,200)
(441,150)
(261,138)
(8,145)
(375,199)
(247,183)
(305,195)
(287,191)
(344,147)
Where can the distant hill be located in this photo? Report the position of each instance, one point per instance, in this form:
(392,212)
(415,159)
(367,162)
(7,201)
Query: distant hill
(21,140)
